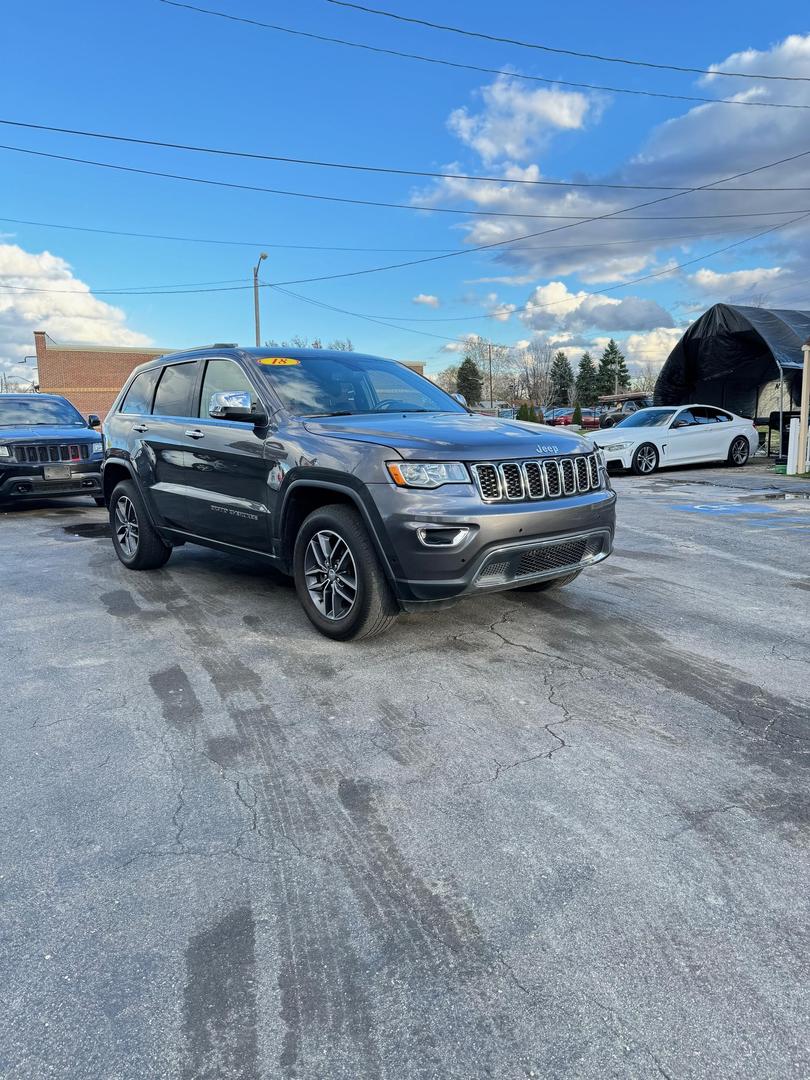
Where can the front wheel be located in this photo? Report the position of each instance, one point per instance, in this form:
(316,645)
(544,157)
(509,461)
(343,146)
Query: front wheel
(645,460)
(338,577)
(136,542)
(738,452)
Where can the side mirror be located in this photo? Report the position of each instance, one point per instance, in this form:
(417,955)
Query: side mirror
(93,422)
(460,399)
(236,405)
(680,423)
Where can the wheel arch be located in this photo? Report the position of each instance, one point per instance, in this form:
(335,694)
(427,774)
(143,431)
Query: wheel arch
(308,494)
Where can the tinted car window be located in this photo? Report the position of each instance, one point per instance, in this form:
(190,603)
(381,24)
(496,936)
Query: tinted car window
(139,396)
(222,375)
(705,416)
(35,410)
(173,397)
(685,417)
(647,418)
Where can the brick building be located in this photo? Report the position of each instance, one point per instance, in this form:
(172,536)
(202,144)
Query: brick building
(91,375)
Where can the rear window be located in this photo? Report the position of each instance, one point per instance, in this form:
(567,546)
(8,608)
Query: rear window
(138,398)
(173,397)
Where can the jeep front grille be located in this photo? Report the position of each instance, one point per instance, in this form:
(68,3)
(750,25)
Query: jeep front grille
(43,453)
(543,478)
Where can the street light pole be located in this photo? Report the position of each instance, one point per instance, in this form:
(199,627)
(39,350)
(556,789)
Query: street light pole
(491,402)
(256,297)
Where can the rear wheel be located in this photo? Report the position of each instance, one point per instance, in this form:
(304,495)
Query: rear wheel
(137,544)
(338,577)
(554,583)
(739,451)
(645,460)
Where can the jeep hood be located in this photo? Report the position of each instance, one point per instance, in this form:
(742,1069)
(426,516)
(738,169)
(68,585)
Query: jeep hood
(450,436)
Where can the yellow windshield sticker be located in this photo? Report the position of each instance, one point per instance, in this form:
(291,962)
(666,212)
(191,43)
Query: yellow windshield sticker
(278,361)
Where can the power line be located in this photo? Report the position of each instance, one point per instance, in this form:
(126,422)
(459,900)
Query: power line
(322,247)
(561,52)
(384,321)
(387,205)
(493,245)
(378,169)
(476,67)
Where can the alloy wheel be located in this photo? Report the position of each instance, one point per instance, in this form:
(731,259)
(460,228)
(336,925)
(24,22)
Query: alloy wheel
(646,459)
(331,575)
(739,451)
(126,526)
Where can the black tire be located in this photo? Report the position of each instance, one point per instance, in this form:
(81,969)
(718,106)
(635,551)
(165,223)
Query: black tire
(99,500)
(607,422)
(549,584)
(738,452)
(148,551)
(645,460)
(335,529)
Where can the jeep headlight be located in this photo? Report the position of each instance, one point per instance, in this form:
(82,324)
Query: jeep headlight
(427,474)
(5,451)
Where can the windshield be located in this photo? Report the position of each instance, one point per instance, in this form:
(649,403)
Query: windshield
(647,418)
(38,411)
(348,385)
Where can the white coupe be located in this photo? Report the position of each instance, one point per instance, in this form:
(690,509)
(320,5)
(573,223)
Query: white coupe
(677,435)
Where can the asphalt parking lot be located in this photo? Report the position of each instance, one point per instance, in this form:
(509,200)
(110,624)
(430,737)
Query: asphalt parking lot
(528,836)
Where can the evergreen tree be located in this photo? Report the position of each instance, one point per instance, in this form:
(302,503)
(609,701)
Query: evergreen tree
(586,388)
(576,419)
(613,374)
(562,379)
(532,415)
(540,418)
(522,413)
(469,381)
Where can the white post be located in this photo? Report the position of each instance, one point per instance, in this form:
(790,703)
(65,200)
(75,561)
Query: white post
(804,410)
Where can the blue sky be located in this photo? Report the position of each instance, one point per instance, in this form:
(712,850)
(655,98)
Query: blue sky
(149,70)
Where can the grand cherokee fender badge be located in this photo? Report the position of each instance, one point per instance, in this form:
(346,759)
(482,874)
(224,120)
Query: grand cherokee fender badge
(547,448)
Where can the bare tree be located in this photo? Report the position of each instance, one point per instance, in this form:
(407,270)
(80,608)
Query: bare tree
(447,379)
(646,379)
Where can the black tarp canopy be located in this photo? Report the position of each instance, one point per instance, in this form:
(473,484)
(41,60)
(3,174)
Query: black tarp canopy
(730,352)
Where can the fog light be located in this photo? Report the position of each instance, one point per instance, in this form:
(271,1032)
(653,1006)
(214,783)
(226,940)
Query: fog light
(442,537)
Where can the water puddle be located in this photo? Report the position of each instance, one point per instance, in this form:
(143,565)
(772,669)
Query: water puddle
(89,530)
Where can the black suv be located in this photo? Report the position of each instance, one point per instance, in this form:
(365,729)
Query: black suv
(377,491)
(47,449)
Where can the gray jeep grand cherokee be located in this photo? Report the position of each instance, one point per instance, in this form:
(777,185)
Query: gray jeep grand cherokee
(373,488)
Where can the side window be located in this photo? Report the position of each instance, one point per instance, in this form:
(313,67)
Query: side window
(705,416)
(173,397)
(629,407)
(138,398)
(685,418)
(720,417)
(222,375)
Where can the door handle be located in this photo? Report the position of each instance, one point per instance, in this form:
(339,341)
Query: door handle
(139,427)
(194,433)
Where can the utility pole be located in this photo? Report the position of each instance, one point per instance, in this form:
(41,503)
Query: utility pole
(804,409)
(491,401)
(256,297)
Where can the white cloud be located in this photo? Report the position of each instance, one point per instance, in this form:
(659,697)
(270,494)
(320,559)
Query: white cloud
(554,306)
(515,121)
(426,299)
(713,282)
(69,312)
(703,144)
(651,349)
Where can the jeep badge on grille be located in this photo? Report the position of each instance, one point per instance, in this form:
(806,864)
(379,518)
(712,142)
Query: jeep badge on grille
(546,448)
